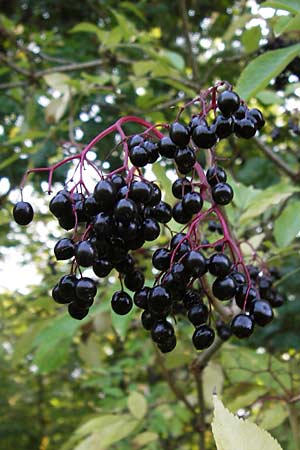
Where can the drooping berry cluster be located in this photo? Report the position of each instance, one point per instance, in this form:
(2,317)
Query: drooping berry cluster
(195,277)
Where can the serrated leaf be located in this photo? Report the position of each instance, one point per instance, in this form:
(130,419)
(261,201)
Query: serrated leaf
(233,433)
(213,379)
(287,5)
(273,416)
(287,226)
(145,438)
(257,75)
(137,405)
(250,39)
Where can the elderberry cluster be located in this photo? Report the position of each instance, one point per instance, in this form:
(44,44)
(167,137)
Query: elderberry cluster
(125,211)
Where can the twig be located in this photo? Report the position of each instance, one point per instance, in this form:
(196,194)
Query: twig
(186,32)
(295,176)
(201,361)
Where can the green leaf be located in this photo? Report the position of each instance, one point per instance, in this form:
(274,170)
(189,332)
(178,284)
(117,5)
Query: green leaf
(59,328)
(287,226)
(267,198)
(145,438)
(241,395)
(50,356)
(58,81)
(287,5)
(273,416)
(292,25)
(268,97)
(261,70)
(25,343)
(250,39)
(213,379)
(85,27)
(236,23)
(233,433)
(121,323)
(174,58)
(137,405)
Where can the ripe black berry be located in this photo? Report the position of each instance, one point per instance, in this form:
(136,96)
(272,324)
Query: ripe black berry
(179,134)
(242,326)
(64,249)
(192,202)
(121,303)
(23,213)
(168,345)
(102,267)
(195,263)
(244,128)
(203,337)
(180,187)
(150,229)
(262,312)
(84,254)
(61,204)
(148,320)
(222,193)
(159,300)
(180,215)
(185,159)
(125,210)
(256,116)
(140,191)
(223,330)
(105,193)
(215,175)
(224,288)
(204,136)
(228,102)
(198,314)
(134,280)
(190,298)
(77,311)
(162,212)
(161,331)
(67,286)
(138,156)
(140,298)
(85,288)
(223,126)
(219,265)
(241,294)
(57,297)
(166,147)
(161,259)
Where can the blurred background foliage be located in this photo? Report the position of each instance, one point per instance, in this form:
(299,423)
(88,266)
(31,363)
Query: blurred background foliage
(68,70)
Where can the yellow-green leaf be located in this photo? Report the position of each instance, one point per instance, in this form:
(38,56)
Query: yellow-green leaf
(257,75)
(143,439)
(213,379)
(137,405)
(231,433)
(273,416)
(287,226)
(287,5)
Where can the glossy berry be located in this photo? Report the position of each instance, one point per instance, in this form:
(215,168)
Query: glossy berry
(67,222)
(125,210)
(256,116)
(185,159)
(105,193)
(223,330)
(239,278)
(192,202)
(85,288)
(215,175)
(179,134)
(102,267)
(152,151)
(138,156)
(203,337)
(118,181)
(224,288)
(150,229)
(162,212)
(140,191)
(135,140)
(91,207)
(166,147)
(242,326)
(67,286)
(125,265)
(195,263)
(121,303)
(140,298)
(61,205)
(241,295)
(222,193)
(77,312)
(180,187)
(244,128)
(262,312)
(162,331)
(155,197)
(84,254)
(180,215)
(204,136)
(167,345)
(64,249)
(241,112)
(277,300)
(223,126)
(57,297)
(134,280)
(148,320)
(190,298)
(198,314)
(219,265)
(161,259)
(23,213)
(102,224)
(228,102)
(159,300)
